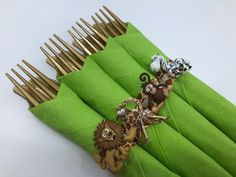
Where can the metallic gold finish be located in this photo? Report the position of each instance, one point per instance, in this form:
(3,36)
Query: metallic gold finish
(36,90)
(112,22)
(106,26)
(29,97)
(28,84)
(68,66)
(42,76)
(79,43)
(100,27)
(91,36)
(85,40)
(18,92)
(49,93)
(119,21)
(71,49)
(40,89)
(94,30)
(56,64)
(76,65)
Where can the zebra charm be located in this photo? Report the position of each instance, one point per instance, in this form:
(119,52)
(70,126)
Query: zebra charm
(174,68)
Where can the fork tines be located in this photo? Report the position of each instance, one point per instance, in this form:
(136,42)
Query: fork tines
(68,60)
(88,38)
(114,25)
(36,90)
(97,38)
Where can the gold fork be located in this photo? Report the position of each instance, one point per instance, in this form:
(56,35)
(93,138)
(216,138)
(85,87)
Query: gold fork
(94,40)
(109,25)
(116,27)
(68,60)
(71,59)
(101,30)
(38,89)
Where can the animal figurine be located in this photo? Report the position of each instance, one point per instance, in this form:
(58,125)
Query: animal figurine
(138,117)
(114,143)
(153,93)
(174,68)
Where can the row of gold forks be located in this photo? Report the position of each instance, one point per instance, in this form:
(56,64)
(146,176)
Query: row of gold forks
(93,40)
(37,89)
(66,58)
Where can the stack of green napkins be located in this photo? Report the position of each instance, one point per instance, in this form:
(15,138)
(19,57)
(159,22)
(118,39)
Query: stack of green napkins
(70,116)
(209,103)
(198,139)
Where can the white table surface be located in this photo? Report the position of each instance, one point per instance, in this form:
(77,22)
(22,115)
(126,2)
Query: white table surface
(203,31)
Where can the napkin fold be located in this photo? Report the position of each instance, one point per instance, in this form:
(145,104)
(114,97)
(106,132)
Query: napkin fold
(121,67)
(71,117)
(205,100)
(103,94)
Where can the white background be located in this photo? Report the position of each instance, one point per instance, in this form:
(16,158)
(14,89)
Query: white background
(203,31)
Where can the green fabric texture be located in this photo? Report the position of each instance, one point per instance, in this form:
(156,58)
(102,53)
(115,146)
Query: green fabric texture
(118,64)
(71,117)
(214,107)
(101,93)
(187,86)
(187,121)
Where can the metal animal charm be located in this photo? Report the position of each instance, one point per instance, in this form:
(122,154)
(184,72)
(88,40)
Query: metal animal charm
(174,68)
(114,143)
(138,117)
(153,93)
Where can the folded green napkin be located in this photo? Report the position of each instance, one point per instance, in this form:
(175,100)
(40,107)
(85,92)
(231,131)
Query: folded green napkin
(115,61)
(71,117)
(101,93)
(205,100)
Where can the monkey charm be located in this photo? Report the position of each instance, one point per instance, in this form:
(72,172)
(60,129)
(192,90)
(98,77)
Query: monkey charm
(153,93)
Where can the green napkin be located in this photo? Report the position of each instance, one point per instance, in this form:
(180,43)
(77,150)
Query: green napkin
(208,102)
(68,115)
(101,93)
(183,118)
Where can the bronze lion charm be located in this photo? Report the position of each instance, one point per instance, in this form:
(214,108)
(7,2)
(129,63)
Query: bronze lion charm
(114,144)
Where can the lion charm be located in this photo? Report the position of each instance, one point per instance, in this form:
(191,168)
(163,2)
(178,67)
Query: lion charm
(113,143)
(153,93)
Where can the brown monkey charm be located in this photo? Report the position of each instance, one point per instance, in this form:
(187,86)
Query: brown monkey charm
(114,144)
(138,117)
(153,93)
